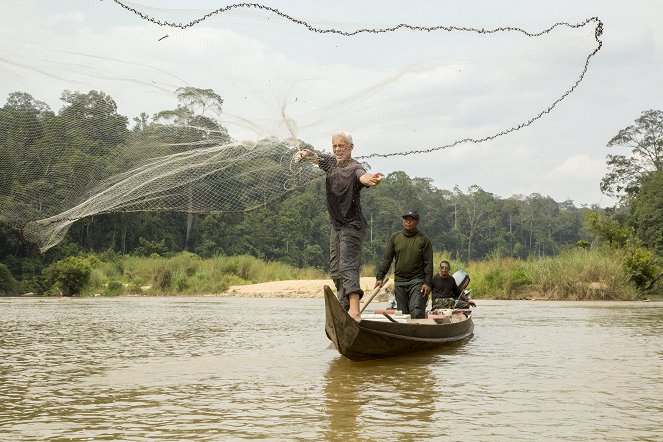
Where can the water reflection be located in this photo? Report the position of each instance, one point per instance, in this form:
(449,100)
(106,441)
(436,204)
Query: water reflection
(395,397)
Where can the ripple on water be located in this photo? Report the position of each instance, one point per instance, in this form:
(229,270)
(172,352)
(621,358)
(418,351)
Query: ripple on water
(199,369)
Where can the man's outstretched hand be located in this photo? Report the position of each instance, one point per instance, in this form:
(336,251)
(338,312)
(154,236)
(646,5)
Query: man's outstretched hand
(306,154)
(371,179)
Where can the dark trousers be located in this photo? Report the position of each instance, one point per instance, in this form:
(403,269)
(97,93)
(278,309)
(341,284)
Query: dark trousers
(345,261)
(409,298)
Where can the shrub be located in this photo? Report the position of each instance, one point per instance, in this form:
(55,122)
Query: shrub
(8,285)
(517,278)
(148,248)
(163,278)
(136,286)
(70,275)
(114,288)
(180,280)
(641,267)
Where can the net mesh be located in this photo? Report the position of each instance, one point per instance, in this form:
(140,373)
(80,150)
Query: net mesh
(202,111)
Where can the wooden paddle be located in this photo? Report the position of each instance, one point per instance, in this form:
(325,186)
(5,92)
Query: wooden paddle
(376,290)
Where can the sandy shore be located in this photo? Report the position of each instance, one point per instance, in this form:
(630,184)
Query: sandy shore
(296,289)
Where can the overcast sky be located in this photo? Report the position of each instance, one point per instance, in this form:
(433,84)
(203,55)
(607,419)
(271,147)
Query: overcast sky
(402,91)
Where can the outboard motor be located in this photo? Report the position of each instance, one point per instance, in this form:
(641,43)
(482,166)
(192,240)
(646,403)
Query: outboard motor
(462,279)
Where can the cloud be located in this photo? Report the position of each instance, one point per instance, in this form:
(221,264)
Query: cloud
(396,92)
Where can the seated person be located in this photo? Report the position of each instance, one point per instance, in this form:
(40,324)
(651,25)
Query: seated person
(446,293)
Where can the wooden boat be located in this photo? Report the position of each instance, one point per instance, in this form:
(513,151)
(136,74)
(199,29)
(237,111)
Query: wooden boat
(373,337)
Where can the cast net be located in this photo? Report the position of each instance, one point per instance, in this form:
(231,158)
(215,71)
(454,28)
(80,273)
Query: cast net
(116,107)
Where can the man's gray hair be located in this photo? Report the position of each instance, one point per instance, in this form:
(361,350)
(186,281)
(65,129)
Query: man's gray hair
(346,136)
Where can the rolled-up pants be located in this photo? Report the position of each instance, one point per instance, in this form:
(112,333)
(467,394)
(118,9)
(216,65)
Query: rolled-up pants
(345,262)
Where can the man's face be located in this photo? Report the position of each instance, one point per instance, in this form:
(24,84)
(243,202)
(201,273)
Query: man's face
(444,270)
(410,223)
(342,149)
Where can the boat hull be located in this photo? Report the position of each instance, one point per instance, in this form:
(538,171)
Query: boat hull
(370,339)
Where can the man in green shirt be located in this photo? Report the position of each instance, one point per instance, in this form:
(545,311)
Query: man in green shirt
(413,268)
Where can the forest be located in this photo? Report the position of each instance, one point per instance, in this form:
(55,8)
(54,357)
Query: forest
(47,157)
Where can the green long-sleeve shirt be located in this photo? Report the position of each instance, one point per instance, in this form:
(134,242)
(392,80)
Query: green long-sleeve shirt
(413,254)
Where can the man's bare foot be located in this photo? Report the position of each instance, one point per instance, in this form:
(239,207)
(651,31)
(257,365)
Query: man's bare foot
(354,311)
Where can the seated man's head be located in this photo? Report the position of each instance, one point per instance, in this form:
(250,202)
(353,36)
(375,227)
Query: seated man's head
(444,268)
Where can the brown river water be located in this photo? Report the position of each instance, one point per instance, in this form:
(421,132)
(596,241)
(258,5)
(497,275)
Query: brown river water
(212,368)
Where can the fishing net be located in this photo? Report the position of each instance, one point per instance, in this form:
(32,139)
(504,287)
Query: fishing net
(117,107)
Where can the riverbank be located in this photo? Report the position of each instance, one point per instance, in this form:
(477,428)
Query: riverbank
(313,289)
(297,289)
(573,275)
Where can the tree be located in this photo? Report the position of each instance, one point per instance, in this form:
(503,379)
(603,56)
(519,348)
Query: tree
(647,213)
(192,111)
(141,122)
(645,139)
(607,228)
(191,126)
(477,212)
(544,214)
(95,116)
(512,221)
(22,122)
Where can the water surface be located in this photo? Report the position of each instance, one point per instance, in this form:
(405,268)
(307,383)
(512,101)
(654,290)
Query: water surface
(203,369)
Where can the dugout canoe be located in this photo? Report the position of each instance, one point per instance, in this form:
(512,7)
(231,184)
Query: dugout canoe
(374,338)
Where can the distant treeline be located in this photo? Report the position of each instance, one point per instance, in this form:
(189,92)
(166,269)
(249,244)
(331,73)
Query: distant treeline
(469,224)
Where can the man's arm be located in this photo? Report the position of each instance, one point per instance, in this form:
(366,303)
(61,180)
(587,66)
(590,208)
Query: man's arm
(427,257)
(459,293)
(308,155)
(468,300)
(428,262)
(454,288)
(371,179)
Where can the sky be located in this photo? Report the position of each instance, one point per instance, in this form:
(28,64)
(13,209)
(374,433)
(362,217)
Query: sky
(396,92)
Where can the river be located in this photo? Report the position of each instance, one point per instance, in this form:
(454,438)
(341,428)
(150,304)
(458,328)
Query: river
(213,368)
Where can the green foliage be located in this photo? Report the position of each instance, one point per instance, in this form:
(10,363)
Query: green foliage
(173,274)
(97,281)
(163,278)
(99,113)
(500,277)
(573,274)
(70,275)
(607,228)
(147,248)
(8,285)
(647,213)
(642,267)
(181,273)
(279,237)
(645,140)
(187,273)
(517,279)
(114,288)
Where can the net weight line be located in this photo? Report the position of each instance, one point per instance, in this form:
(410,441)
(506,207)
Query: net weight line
(598,32)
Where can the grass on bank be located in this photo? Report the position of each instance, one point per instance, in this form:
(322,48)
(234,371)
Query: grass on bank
(186,274)
(575,274)
(587,274)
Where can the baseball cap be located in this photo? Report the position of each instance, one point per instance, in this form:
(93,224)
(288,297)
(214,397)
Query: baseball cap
(412,213)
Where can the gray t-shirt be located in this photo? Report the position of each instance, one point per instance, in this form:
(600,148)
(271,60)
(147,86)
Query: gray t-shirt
(343,192)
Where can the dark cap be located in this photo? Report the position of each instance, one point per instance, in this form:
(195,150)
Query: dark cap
(412,213)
